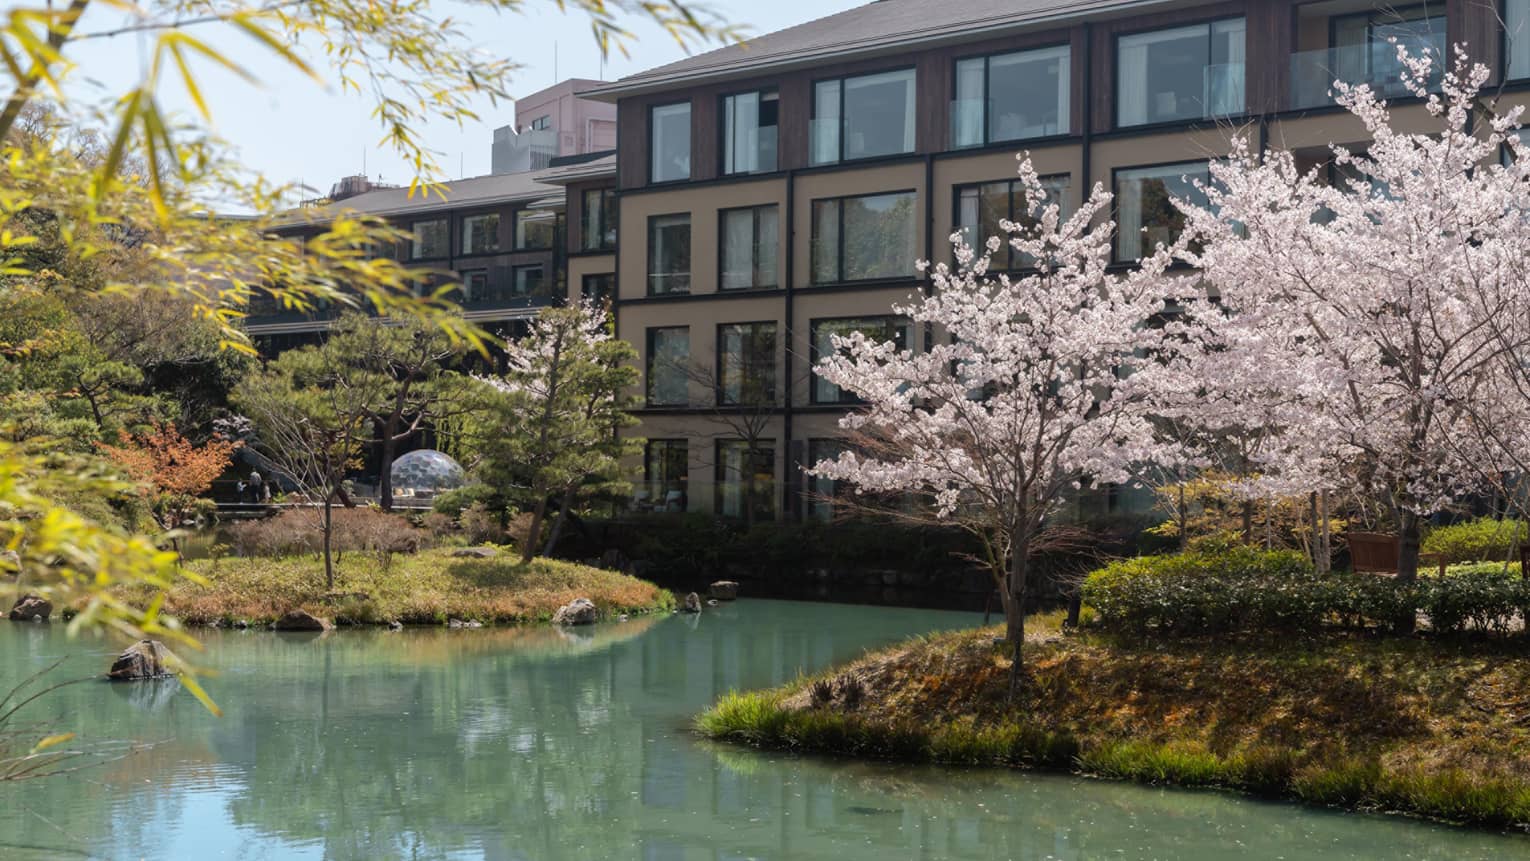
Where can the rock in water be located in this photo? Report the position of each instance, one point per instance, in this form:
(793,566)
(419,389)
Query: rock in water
(31,608)
(580,611)
(144,659)
(459,623)
(475,552)
(692,603)
(723,590)
(302,620)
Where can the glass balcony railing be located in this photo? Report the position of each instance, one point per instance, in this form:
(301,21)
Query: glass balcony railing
(1313,73)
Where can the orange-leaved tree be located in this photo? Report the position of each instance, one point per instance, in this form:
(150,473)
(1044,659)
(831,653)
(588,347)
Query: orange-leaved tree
(174,472)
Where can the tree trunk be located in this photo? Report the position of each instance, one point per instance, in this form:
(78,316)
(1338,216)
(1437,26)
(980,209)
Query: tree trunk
(1248,521)
(557,528)
(1326,536)
(1019,566)
(1409,533)
(535,531)
(1184,523)
(329,565)
(385,470)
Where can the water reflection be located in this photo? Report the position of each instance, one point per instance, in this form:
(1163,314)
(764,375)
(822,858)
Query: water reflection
(540,744)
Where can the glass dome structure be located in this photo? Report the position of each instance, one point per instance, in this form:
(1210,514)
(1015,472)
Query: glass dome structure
(425,471)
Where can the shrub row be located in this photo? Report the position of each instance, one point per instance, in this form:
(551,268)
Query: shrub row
(1249,590)
(1485,539)
(298,531)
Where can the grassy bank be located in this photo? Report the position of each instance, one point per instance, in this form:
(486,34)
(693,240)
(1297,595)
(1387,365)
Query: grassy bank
(1433,728)
(426,588)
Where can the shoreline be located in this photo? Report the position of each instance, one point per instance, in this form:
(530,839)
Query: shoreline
(1202,723)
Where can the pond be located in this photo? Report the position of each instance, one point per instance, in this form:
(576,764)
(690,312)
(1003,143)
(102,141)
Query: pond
(542,744)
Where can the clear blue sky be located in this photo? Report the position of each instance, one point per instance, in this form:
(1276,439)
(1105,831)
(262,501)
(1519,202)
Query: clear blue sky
(290,129)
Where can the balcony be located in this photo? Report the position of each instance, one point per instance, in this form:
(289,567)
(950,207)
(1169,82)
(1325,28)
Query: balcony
(1313,73)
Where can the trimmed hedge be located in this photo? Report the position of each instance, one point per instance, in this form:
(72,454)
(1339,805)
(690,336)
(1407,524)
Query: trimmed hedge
(1485,539)
(1248,590)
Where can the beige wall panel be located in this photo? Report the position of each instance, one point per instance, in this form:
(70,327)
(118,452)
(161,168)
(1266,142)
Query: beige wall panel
(844,183)
(703,204)
(1342,128)
(594,264)
(701,434)
(702,318)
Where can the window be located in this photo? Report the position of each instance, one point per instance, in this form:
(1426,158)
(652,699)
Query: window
(749,132)
(1146,213)
(666,468)
(1184,73)
(1365,46)
(1516,34)
(669,142)
(669,254)
(541,123)
(746,364)
(598,288)
(480,233)
(863,117)
(534,229)
(980,208)
(880,329)
(429,239)
(1011,97)
(475,285)
(824,492)
(746,476)
(749,248)
(863,238)
(597,232)
(529,281)
(669,357)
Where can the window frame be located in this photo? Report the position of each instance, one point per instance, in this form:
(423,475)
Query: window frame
(515,272)
(722,130)
(464,234)
(584,286)
(690,145)
(840,132)
(607,196)
(722,235)
(515,229)
(720,478)
(956,206)
(465,276)
(1503,42)
(1115,62)
(648,363)
(1115,172)
(649,274)
(668,443)
(1066,112)
(718,397)
(414,243)
(845,399)
(913,274)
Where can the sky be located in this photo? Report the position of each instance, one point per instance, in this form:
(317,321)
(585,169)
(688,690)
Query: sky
(292,130)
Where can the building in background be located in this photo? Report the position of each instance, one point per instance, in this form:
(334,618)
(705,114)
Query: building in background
(777,193)
(554,123)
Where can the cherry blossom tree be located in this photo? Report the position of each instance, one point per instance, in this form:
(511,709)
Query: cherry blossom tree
(1023,398)
(1359,322)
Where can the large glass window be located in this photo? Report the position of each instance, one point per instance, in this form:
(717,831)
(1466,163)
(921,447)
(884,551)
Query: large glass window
(429,239)
(670,142)
(864,238)
(475,285)
(669,254)
(824,493)
(598,288)
(879,329)
(1145,210)
(534,229)
(1011,97)
(980,208)
(529,281)
(666,470)
(669,357)
(750,240)
(746,476)
(746,364)
(863,117)
(1183,73)
(1516,35)
(480,233)
(597,229)
(749,132)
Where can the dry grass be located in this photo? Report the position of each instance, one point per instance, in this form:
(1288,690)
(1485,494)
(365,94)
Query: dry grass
(425,588)
(1435,728)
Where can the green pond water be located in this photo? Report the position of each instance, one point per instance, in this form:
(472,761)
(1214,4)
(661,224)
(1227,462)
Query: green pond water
(543,744)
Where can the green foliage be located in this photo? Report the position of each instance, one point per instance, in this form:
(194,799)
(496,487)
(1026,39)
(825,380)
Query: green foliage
(1242,590)
(1485,539)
